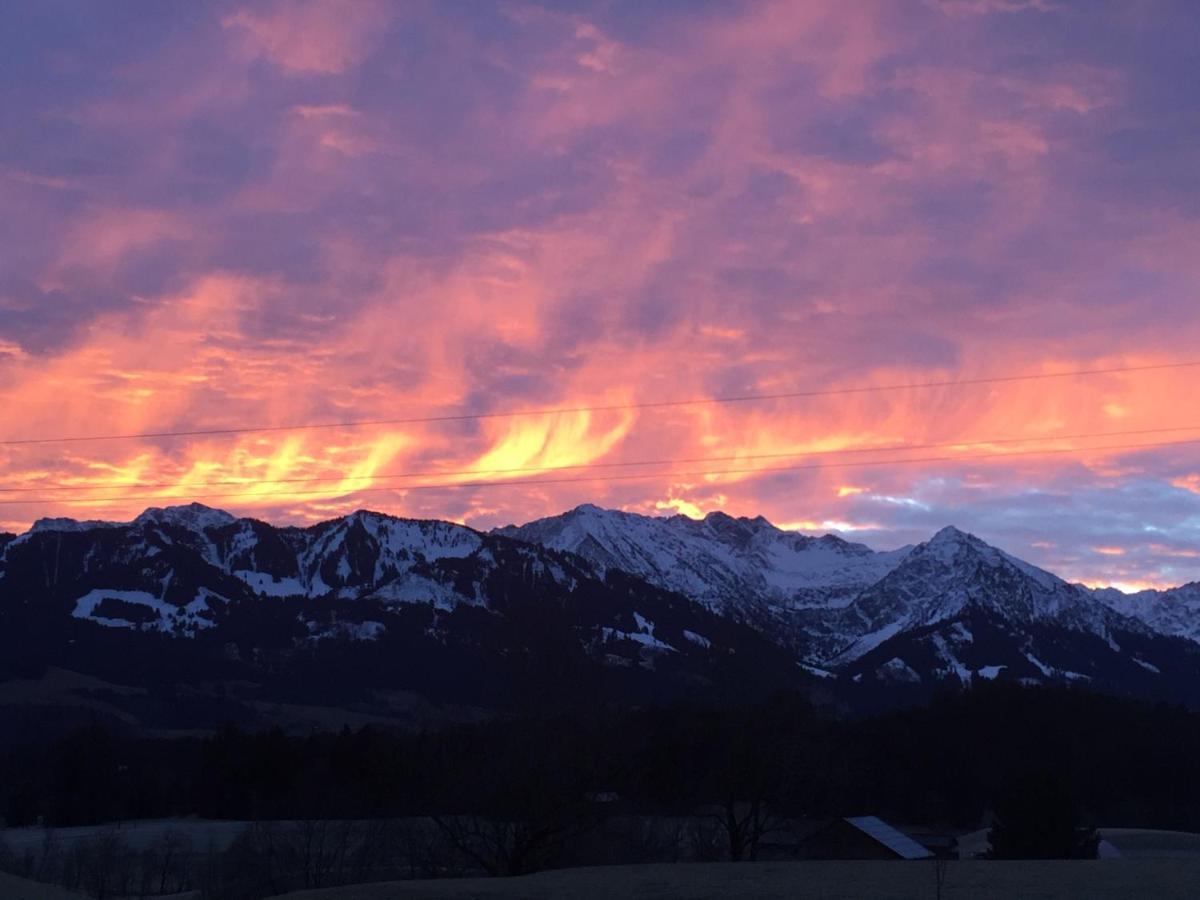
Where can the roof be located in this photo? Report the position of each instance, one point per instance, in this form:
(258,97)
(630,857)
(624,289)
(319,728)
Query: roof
(896,841)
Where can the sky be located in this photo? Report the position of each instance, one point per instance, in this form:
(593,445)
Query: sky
(223,215)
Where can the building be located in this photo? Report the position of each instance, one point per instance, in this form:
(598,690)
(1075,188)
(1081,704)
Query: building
(861,837)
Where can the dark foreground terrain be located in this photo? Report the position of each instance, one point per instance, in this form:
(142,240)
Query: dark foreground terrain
(861,880)
(620,802)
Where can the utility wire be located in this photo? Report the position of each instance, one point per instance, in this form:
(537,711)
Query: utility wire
(384,476)
(633,477)
(659,404)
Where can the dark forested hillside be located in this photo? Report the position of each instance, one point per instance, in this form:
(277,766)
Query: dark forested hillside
(1123,761)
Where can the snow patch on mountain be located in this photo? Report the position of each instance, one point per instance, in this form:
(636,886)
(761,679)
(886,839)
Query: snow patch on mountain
(193,516)
(737,566)
(420,590)
(67,525)
(1175,611)
(265,583)
(159,614)
(364,554)
(355,631)
(697,639)
(939,579)
(953,606)
(898,670)
(648,641)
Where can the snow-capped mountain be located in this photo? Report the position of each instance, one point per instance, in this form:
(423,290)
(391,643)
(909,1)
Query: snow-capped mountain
(939,579)
(951,607)
(1175,611)
(355,606)
(958,608)
(607,600)
(186,563)
(744,568)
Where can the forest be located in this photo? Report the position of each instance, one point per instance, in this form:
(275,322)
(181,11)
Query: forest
(604,785)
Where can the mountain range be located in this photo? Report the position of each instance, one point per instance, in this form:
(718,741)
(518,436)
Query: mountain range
(188,615)
(952,606)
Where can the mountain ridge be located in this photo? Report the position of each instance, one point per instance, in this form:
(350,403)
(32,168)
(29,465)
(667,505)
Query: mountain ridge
(626,591)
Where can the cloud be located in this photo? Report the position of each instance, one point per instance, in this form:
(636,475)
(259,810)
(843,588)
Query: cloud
(311,36)
(324,212)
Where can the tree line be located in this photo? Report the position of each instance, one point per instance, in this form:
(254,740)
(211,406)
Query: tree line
(517,794)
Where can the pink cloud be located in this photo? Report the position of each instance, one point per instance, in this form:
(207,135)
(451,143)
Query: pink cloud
(325,37)
(588,210)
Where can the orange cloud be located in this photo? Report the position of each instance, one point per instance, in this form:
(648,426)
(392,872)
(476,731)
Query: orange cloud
(756,199)
(559,440)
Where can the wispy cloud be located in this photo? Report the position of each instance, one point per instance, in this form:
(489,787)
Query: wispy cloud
(322,211)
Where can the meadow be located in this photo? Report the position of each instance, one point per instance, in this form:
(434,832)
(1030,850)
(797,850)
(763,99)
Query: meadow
(1164,879)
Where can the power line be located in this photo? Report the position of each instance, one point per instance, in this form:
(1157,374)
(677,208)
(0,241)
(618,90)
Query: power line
(615,407)
(383,476)
(634,477)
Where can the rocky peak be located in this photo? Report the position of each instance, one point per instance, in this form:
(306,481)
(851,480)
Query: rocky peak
(193,516)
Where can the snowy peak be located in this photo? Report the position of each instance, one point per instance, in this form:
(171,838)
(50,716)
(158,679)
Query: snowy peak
(956,568)
(954,534)
(951,544)
(193,516)
(586,509)
(191,554)
(1175,611)
(953,606)
(64,524)
(366,550)
(742,567)
(954,572)
(369,605)
(959,553)
(733,527)
(181,570)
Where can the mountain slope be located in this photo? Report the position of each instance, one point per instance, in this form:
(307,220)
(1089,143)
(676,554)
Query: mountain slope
(953,571)
(1175,611)
(979,643)
(213,616)
(952,607)
(743,568)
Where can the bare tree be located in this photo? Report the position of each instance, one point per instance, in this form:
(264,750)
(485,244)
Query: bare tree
(706,839)
(318,850)
(513,816)
(940,865)
(173,850)
(508,846)
(745,823)
(50,862)
(748,772)
(109,866)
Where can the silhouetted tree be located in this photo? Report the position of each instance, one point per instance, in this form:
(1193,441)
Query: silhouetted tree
(1037,818)
(749,772)
(525,794)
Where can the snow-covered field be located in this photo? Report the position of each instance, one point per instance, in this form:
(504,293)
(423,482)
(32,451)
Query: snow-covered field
(138,835)
(14,888)
(978,880)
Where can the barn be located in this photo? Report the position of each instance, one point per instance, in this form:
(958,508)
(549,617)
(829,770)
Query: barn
(861,837)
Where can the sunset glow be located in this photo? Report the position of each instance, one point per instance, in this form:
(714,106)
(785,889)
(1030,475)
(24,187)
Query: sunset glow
(263,215)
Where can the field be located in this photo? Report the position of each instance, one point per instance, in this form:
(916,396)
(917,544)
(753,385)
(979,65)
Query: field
(966,880)
(13,888)
(139,834)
